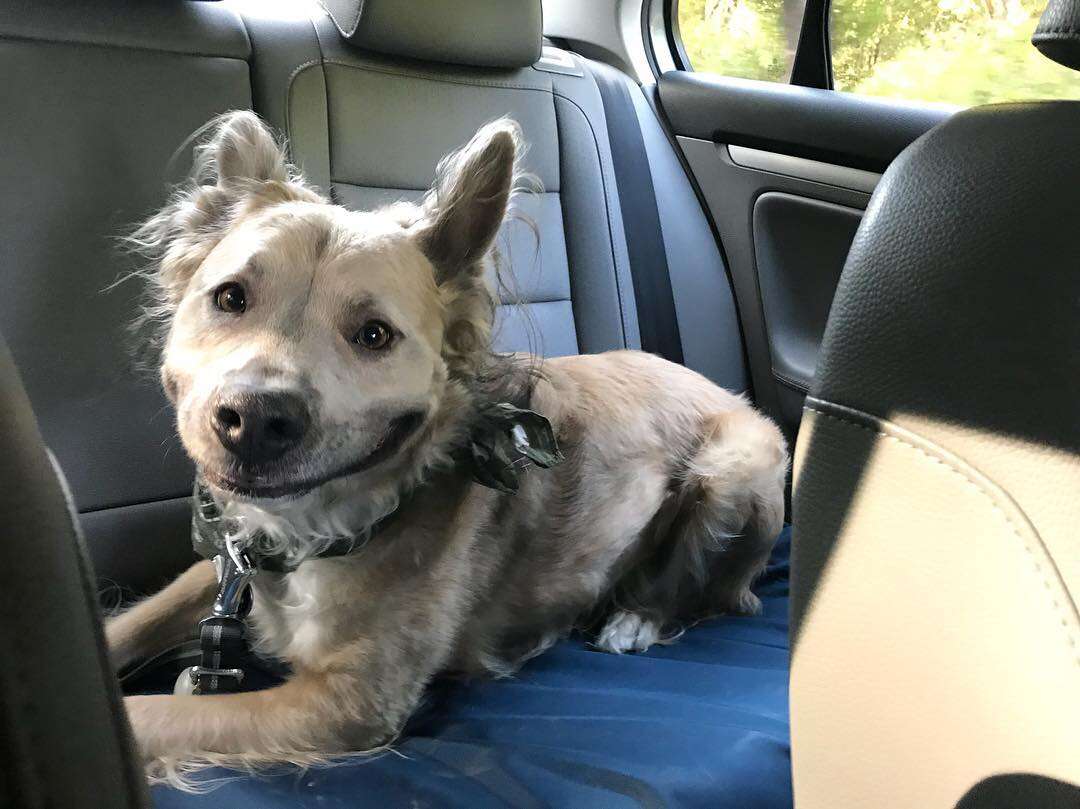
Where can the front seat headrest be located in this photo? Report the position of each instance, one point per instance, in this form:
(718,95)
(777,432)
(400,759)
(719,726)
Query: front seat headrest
(64,737)
(483,33)
(1057,36)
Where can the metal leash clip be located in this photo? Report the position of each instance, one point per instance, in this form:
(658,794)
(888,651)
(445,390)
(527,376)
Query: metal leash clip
(234,571)
(225,623)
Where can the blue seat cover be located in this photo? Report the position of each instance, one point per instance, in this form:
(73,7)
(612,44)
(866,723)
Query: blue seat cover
(700,723)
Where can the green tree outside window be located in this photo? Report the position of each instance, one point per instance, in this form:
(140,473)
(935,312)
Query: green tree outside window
(958,52)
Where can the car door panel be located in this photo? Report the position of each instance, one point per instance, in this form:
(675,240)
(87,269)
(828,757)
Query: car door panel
(786,173)
(825,125)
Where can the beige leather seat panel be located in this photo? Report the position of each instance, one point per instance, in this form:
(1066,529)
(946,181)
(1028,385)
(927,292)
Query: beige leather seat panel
(939,646)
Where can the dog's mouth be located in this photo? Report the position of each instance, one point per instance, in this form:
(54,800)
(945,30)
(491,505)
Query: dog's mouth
(271,487)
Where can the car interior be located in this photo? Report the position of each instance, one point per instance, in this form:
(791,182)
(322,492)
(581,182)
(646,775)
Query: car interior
(896,284)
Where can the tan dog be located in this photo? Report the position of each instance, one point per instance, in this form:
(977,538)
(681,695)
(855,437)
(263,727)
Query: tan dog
(325,366)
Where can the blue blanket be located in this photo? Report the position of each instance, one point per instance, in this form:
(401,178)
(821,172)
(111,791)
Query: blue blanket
(701,723)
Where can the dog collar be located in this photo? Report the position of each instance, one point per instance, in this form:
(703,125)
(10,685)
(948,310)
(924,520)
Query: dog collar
(505,441)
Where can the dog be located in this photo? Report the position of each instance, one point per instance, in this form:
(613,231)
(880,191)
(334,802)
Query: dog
(328,370)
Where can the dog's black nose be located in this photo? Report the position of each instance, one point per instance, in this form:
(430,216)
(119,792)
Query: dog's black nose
(259,426)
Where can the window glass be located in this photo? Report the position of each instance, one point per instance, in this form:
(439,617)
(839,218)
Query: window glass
(960,52)
(749,39)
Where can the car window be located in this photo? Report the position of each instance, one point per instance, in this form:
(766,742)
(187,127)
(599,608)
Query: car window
(954,51)
(960,52)
(749,39)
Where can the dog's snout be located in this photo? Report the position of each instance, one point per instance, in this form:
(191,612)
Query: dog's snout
(259,426)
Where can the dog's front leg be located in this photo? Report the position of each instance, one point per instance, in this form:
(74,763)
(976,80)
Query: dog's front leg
(313,712)
(298,715)
(165,618)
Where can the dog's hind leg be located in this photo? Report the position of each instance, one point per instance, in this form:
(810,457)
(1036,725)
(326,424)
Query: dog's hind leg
(738,475)
(711,538)
(627,631)
(164,619)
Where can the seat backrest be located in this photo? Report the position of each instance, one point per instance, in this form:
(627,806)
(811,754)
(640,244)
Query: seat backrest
(389,119)
(936,567)
(368,121)
(100,96)
(96,99)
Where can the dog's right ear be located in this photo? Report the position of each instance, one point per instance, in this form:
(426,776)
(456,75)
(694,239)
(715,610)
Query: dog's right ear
(238,166)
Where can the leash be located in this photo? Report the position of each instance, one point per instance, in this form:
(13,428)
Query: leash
(222,641)
(506,440)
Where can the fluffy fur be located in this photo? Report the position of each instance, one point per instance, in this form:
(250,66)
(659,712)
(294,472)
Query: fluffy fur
(664,511)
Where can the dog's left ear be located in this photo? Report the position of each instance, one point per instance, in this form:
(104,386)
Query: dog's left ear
(467,204)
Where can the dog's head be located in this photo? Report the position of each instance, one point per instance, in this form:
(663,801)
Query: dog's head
(307,343)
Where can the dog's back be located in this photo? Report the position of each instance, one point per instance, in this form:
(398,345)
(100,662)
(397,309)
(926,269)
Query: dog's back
(665,510)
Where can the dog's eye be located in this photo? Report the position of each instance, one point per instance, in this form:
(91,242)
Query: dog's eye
(374,335)
(230,298)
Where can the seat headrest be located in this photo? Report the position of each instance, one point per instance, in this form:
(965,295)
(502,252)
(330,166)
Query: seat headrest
(1057,36)
(484,33)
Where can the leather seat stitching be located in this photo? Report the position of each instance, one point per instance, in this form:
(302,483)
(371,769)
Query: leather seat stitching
(355,22)
(419,74)
(316,62)
(60,40)
(1070,632)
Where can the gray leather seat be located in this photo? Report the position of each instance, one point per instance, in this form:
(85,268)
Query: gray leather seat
(368,122)
(64,740)
(100,95)
(936,567)
(96,99)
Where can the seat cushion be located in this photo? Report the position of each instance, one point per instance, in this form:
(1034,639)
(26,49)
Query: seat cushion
(700,723)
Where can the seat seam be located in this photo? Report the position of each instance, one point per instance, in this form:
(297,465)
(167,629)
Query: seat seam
(289,88)
(1064,615)
(123,47)
(355,22)
(356,184)
(419,74)
(795,384)
(530,302)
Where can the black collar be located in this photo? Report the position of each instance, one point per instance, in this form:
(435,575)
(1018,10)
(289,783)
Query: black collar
(505,440)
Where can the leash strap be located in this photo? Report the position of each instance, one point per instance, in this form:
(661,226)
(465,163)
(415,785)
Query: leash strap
(222,647)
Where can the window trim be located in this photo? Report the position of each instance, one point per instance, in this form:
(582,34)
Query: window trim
(812,65)
(674,38)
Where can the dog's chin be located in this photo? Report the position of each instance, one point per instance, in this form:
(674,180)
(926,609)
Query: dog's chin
(269,487)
